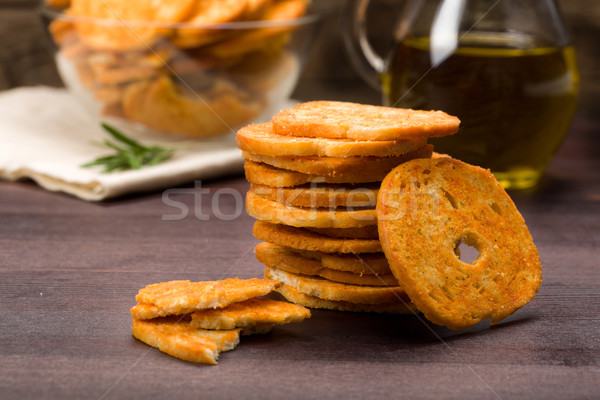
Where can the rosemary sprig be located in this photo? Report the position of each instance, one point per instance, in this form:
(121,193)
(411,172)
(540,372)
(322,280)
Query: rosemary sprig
(130,154)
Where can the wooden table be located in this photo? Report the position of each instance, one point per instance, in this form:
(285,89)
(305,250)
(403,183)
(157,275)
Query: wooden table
(69,271)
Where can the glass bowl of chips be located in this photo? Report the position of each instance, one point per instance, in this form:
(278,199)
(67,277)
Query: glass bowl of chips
(183,69)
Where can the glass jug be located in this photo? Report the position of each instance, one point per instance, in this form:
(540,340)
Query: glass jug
(504,67)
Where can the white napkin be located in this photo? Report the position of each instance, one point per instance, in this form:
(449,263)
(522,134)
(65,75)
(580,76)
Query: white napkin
(45,135)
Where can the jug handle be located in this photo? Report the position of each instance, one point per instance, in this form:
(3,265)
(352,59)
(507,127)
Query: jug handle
(367,62)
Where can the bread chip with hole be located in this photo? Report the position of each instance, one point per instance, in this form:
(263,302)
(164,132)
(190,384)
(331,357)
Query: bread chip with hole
(426,208)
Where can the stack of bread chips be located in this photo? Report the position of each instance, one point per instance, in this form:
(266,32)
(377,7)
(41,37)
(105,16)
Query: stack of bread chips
(195,321)
(315,172)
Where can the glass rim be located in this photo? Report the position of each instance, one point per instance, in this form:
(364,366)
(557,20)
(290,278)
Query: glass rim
(231,25)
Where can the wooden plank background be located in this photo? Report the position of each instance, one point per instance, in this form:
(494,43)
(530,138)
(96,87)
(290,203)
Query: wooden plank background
(25,58)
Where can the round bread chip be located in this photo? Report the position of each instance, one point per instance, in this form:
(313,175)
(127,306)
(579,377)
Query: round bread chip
(302,239)
(342,120)
(268,175)
(334,166)
(262,38)
(426,209)
(364,232)
(116,23)
(260,139)
(320,196)
(283,258)
(293,295)
(328,290)
(277,213)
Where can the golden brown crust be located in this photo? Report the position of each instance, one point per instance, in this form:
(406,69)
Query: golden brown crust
(302,239)
(293,295)
(277,213)
(175,337)
(333,166)
(182,297)
(260,139)
(249,314)
(335,119)
(321,196)
(263,174)
(283,258)
(425,209)
(328,290)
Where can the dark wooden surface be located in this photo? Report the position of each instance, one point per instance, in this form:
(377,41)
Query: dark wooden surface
(69,271)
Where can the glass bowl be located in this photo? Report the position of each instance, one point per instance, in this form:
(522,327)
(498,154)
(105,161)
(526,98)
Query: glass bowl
(197,79)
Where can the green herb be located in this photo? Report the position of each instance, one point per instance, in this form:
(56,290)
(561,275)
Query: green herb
(130,154)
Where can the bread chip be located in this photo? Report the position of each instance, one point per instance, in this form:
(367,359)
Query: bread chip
(115,27)
(277,213)
(364,232)
(328,290)
(280,257)
(397,307)
(320,196)
(260,139)
(332,166)
(342,120)
(262,38)
(302,239)
(162,106)
(253,315)
(182,297)
(362,264)
(268,175)
(426,209)
(175,337)
(205,14)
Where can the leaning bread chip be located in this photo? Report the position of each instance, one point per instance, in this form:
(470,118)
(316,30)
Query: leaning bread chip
(397,307)
(328,290)
(181,297)
(302,239)
(260,139)
(277,213)
(342,120)
(426,209)
(176,337)
(280,257)
(268,175)
(320,196)
(334,166)
(250,314)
